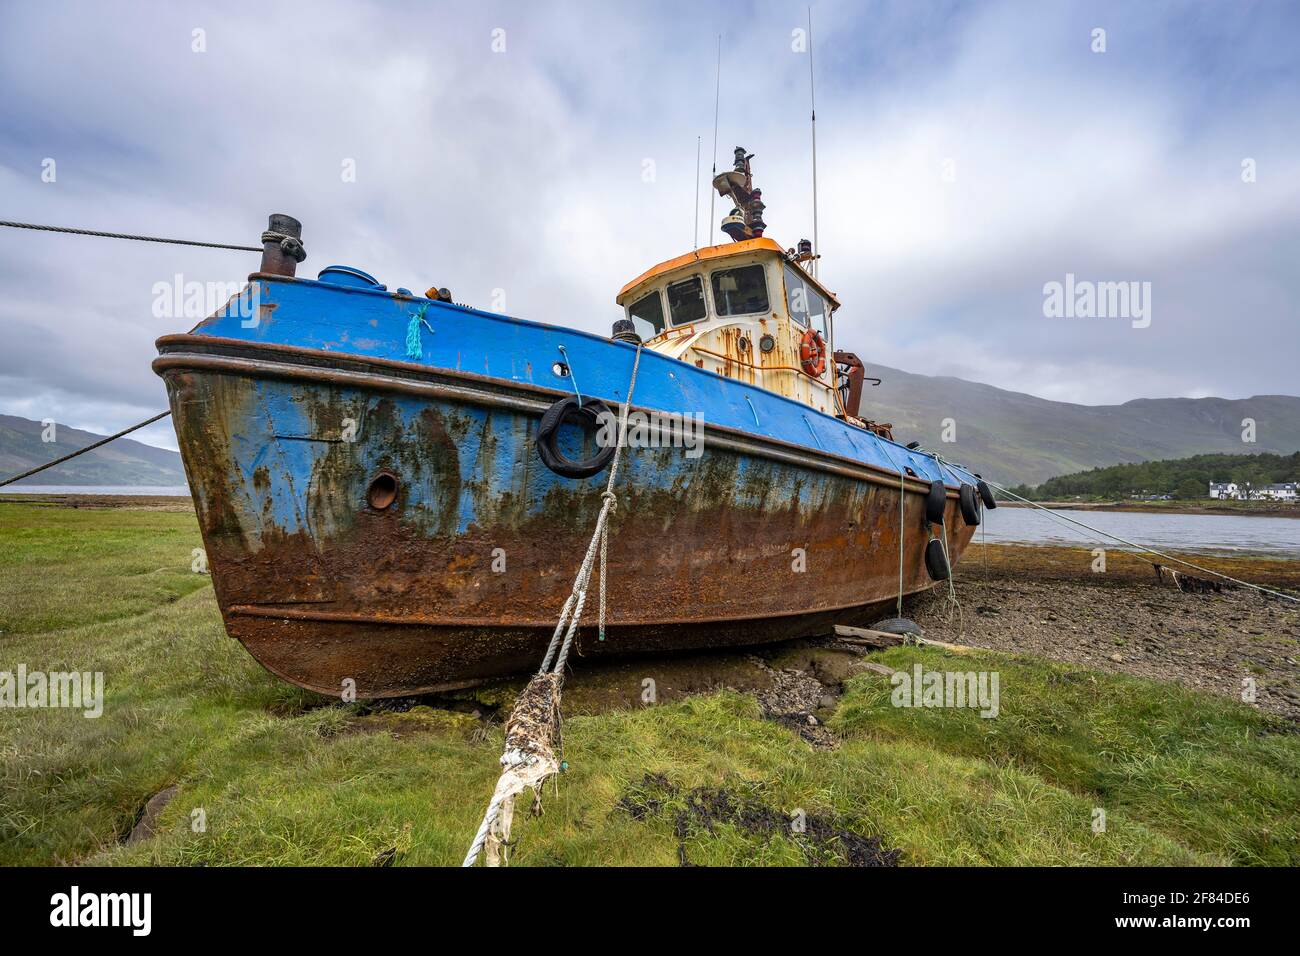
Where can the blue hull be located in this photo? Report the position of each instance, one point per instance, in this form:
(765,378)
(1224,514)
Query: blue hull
(288,417)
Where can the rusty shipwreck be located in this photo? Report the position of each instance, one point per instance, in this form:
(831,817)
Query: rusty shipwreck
(394,489)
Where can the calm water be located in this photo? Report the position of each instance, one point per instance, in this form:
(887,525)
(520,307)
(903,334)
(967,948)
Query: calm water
(1208,534)
(178,490)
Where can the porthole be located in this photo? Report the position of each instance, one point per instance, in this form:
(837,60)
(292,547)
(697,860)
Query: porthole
(382,491)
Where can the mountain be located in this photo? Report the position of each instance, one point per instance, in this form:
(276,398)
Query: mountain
(123,462)
(1015,438)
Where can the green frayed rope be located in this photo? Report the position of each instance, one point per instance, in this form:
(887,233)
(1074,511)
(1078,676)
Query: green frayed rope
(414,350)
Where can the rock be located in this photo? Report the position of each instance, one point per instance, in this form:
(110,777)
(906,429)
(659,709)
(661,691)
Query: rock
(1117,658)
(148,823)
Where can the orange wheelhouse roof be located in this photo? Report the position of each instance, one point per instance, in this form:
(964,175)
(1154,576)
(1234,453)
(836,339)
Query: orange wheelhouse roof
(726,250)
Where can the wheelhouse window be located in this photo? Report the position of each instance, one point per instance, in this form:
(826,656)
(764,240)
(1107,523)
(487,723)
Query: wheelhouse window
(647,315)
(806,305)
(686,301)
(741,291)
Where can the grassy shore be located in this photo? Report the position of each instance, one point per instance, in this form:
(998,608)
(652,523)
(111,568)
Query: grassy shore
(276,775)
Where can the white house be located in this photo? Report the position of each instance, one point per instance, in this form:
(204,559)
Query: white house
(1286,491)
(1224,489)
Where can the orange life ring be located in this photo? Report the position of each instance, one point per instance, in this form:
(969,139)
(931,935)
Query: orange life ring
(812,353)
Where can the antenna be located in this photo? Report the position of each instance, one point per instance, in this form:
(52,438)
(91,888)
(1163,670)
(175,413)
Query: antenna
(812,100)
(717,99)
(697,193)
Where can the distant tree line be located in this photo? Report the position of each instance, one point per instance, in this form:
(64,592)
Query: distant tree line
(1178,477)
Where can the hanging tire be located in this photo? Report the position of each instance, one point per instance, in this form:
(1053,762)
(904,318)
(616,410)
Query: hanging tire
(969,500)
(936,564)
(936,502)
(587,416)
(986,493)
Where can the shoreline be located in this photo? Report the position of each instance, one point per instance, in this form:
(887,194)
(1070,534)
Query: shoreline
(1148,507)
(74,499)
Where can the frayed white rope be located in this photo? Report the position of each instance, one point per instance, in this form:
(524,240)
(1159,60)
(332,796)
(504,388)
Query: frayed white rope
(523,769)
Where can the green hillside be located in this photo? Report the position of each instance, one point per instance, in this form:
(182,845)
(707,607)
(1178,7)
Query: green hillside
(123,462)
(1180,477)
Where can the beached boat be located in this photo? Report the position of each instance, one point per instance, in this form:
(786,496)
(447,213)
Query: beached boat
(395,490)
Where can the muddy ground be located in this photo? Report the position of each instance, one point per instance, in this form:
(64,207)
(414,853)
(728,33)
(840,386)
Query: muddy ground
(1048,601)
(1043,601)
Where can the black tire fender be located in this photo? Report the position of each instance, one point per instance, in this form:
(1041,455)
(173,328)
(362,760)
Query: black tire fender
(936,502)
(936,562)
(986,493)
(899,625)
(970,504)
(587,415)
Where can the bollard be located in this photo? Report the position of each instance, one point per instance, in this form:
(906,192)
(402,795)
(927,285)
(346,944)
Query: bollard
(282,248)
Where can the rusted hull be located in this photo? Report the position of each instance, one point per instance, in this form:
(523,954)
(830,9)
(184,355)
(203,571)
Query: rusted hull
(463,577)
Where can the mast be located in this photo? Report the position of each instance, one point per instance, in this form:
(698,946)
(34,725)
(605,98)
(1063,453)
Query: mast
(812,101)
(697,193)
(717,99)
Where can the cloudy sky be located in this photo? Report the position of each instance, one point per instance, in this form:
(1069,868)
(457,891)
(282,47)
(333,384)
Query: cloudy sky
(969,153)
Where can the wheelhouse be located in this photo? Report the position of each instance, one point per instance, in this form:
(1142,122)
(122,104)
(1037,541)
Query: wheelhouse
(747,310)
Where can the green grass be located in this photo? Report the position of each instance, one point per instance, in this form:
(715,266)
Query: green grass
(1184,778)
(63,567)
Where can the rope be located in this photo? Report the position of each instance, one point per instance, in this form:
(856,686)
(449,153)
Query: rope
(1144,548)
(524,767)
(952,588)
(82,451)
(123,235)
(414,345)
(902,491)
(573,374)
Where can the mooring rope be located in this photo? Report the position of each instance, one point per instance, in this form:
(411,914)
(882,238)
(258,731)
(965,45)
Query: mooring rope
(523,766)
(124,235)
(902,495)
(1144,548)
(82,451)
(952,588)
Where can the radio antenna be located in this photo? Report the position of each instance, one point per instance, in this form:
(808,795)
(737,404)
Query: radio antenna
(812,100)
(697,192)
(717,99)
